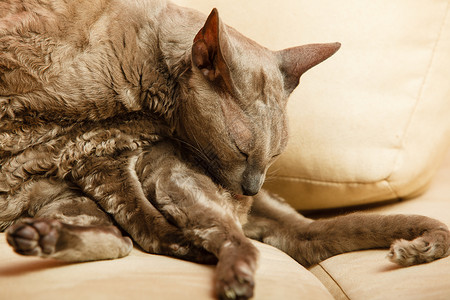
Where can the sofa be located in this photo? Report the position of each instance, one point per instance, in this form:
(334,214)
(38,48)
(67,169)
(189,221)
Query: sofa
(369,131)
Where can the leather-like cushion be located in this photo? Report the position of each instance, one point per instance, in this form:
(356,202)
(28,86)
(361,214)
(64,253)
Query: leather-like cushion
(372,122)
(142,276)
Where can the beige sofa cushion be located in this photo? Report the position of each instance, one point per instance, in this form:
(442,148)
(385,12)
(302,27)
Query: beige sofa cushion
(146,276)
(372,122)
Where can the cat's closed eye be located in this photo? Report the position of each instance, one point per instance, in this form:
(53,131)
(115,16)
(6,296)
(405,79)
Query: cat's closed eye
(275,156)
(244,154)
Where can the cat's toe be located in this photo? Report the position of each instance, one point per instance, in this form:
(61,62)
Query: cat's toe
(34,237)
(23,238)
(236,283)
(420,250)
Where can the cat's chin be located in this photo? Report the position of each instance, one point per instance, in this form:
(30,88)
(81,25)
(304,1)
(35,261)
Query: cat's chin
(240,197)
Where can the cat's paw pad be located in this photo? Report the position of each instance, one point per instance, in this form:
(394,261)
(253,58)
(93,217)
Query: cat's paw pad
(236,282)
(420,250)
(34,237)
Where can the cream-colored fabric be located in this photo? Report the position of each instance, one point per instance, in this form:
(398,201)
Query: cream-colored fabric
(145,276)
(369,275)
(372,122)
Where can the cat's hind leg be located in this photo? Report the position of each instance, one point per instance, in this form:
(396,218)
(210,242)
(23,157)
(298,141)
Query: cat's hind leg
(66,225)
(51,238)
(413,239)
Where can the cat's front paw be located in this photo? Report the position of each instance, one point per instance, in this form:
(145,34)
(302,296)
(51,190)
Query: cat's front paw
(34,236)
(235,271)
(235,281)
(426,248)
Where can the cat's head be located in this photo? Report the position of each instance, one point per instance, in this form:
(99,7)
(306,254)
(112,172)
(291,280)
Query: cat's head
(235,103)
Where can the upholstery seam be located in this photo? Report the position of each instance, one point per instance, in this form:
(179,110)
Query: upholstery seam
(418,101)
(334,280)
(293,178)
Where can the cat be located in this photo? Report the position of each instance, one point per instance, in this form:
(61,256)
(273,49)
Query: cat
(139,120)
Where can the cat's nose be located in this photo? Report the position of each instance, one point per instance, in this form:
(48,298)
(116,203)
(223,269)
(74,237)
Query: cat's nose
(250,190)
(252,184)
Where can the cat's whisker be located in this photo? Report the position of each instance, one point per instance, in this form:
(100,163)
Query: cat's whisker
(273,172)
(192,147)
(218,172)
(198,146)
(269,179)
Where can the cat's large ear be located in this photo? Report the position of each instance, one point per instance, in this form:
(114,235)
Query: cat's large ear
(296,61)
(207,54)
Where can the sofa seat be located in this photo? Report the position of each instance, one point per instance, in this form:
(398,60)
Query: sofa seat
(145,276)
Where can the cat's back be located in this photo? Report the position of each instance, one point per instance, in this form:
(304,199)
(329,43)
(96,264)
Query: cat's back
(56,15)
(79,59)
